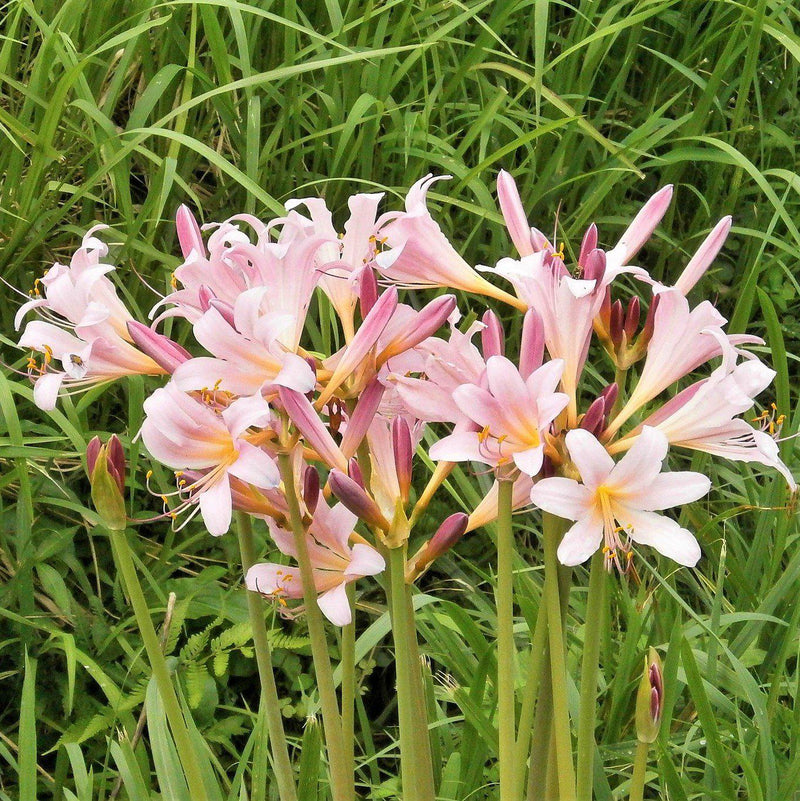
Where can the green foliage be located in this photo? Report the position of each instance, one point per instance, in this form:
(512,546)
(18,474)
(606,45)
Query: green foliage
(116,111)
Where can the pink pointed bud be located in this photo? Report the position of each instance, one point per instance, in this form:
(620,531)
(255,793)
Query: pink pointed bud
(650,699)
(362,417)
(305,418)
(403,455)
(594,266)
(642,227)
(362,343)
(531,346)
(204,297)
(610,395)
(705,254)
(615,329)
(367,291)
(429,320)
(650,321)
(447,535)
(311,488)
(107,476)
(632,317)
(354,471)
(593,419)
(589,243)
(493,338)
(189,234)
(356,500)
(514,214)
(162,350)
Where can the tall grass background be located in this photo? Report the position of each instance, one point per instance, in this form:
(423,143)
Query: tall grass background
(117,112)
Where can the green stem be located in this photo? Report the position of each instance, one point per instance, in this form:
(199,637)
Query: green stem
(349,682)
(269,692)
(421,734)
(506,655)
(639,771)
(341,782)
(541,736)
(589,670)
(406,707)
(552,530)
(532,697)
(158,665)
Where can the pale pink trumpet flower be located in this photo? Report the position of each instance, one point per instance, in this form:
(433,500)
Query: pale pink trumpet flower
(418,254)
(335,563)
(617,502)
(188,433)
(511,415)
(705,415)
(84,327)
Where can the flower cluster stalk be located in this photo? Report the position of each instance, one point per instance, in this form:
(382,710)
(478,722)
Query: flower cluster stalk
(341,781)
(158,664)
(639,771)
(506,655)
(282,766)
(552,531)
(587,712)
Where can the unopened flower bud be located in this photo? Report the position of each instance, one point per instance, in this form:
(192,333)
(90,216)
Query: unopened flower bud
(367,290)
(632,317)
(650,699)
(354,471)
(355,498)
(594,267)
(447,535)
(106,464)
(311,488)
(592,421)
(189,235)
(493,338)
(610,394)
(617,320)
(162,350)
(403,450)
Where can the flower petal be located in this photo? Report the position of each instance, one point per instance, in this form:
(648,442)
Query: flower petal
(563,497)
(335,605)
(592,460)
(216,506)
(673,489)
(581,541)
(665,535)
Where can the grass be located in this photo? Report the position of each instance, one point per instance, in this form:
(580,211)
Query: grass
(119,111)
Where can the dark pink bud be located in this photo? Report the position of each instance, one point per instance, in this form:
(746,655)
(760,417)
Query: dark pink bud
(362,417)
(403,455)
(650,320)
(655,704)
(116,461)
(610,394)
(429,320)
(354,471)
(367,290)
(594,267)
(616,322)
(493,338)
(531,346)
(593,419)
(168,355)
(355,498)
(589,243)
(447,535)
(632,317)
(311,488)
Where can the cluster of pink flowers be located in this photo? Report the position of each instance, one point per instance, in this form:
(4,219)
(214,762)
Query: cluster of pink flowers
(591,453)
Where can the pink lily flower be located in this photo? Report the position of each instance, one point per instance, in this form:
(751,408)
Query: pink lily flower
(336,563)
(254,346)
(682,340)
(617,502)
(342,259)
(85,327)
(513,415)
(705,416)
(419,254)
(185,433)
